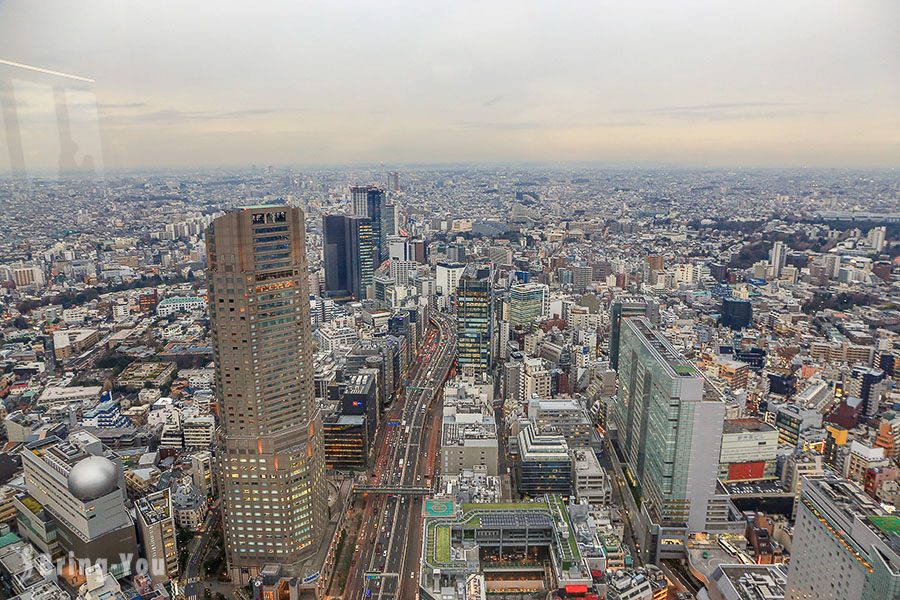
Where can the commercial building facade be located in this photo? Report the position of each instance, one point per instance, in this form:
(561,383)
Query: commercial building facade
(81,489)
(845,546)
(545,463)
(474,318)
(623,307)
(669,425)
(527,303)
(156,523)
(271,464)
(349,255)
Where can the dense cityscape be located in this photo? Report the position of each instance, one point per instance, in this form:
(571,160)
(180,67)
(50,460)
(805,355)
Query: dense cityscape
(500,382)
(391,300)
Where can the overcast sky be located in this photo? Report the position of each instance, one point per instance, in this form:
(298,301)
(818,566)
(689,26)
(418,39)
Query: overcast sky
(672,82)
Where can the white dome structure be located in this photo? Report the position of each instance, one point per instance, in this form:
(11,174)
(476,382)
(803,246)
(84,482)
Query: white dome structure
(93,477)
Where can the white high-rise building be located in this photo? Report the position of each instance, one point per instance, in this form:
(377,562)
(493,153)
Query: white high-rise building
(400,270)
(398,248)
(447,277)
(845,546)
(82,490)
(359,198)
(876,238)
(777,258)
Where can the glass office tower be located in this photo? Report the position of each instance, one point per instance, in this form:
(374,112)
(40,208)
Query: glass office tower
(474,318)
(669,425)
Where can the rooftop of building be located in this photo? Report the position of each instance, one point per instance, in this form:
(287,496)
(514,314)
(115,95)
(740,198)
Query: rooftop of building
(550,514)
(549,445)
(347,419)
(360,384)
(745,425)
(753,582)
(586,462)
(854,503)
(663,349)
(476,272)
(179,299)
(556,404)
(155,507)
(480,433)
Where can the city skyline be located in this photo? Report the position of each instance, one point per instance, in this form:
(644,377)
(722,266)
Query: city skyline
(698,84)
(582,300)
(567,381)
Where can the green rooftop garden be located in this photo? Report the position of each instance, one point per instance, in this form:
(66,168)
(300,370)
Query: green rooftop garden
(442,543)
(438,533)
(560,508)
(887,524)
(505,506)
(32,504)
(684,370)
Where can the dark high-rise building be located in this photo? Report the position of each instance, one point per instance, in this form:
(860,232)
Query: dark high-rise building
(755,357)
(347,441)
(456,252)
(864,383)
(718,271)
(369,201)
(886,362)
(545,464)
(349,434)
(349,255)
(474,318)
(797,259)
(736,313)
(271,449)
(390,223)
(360,397)
(419,250)
(623,307)
(337,267)
(782,382)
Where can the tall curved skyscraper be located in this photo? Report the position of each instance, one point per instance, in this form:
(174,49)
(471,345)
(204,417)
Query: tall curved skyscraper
(271,455)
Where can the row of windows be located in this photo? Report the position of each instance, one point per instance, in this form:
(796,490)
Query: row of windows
(276,256)
(269,238)
(275,322)
(273,265)
(276,229)
(271,247)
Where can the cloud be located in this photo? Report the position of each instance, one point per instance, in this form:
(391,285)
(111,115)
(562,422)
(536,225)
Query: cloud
(524,125)
(168,116)
(502,125)
(724,111)
(120,105)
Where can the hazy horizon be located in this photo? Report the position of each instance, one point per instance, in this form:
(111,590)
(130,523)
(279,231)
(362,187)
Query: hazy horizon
(608,85)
